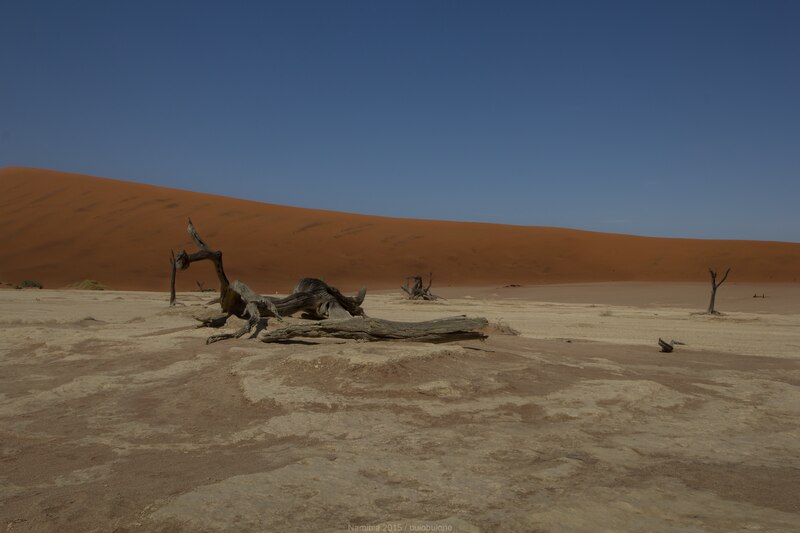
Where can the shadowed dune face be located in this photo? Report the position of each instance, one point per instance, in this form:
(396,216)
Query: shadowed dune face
(59,228)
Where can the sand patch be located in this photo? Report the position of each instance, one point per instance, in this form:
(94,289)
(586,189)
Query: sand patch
(106,425)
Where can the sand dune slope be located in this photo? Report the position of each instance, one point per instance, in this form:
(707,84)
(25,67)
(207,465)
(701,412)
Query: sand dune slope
(59,228)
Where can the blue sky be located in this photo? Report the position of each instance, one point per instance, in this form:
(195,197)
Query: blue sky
(673,118)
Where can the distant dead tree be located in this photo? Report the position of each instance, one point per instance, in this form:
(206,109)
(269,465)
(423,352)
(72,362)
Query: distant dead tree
(418,291)
(714,286)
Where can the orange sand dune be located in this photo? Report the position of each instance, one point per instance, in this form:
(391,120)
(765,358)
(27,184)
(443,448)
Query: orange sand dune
(58,228)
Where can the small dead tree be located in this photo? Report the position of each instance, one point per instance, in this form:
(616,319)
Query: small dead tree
(714,286)
(418,291)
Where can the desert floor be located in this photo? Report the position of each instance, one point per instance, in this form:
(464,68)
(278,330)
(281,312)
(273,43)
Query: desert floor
(116,416)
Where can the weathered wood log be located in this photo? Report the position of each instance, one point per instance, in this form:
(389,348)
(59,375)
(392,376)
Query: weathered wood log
(418,291)
(374,329)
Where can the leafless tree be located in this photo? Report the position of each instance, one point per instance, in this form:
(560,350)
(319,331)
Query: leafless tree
(419,291)
(714,287)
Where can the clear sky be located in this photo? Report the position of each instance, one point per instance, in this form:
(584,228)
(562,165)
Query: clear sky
(672,118)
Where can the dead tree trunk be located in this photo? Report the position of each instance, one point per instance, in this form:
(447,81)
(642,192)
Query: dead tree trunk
(418,291)
(714,286)
(374,329)
(238,299)
(172,278)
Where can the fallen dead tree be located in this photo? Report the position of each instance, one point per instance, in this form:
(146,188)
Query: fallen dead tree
(340,316)
(375,329)
(418,291)
(317,300)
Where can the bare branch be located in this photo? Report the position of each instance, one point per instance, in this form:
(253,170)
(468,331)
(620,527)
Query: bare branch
(196,237)
(362,293)
(206,253)
(724,277)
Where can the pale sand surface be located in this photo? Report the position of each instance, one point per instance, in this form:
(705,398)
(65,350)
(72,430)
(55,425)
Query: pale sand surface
(115,416)
(732,296)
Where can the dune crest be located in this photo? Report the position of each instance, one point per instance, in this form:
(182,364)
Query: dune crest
(60,228)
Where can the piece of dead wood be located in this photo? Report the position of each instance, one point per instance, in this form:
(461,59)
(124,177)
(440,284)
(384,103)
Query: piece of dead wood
(375,329)
(666,347)
(331,302)
(236,298)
